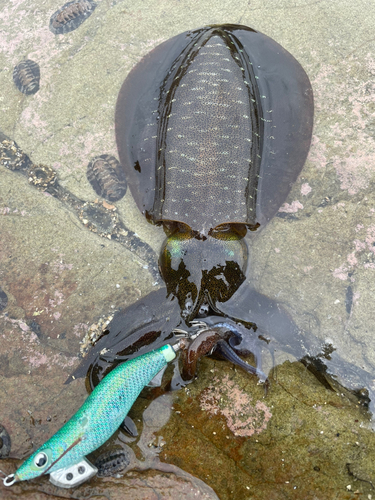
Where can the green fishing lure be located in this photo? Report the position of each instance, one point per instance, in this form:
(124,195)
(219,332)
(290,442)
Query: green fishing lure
(63,455)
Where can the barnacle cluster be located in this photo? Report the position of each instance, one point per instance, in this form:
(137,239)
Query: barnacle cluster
(94,333)
(100,218)
(42,176)
(12,157)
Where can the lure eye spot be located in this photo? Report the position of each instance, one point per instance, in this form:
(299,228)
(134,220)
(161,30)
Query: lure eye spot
(41,459)
(69,476)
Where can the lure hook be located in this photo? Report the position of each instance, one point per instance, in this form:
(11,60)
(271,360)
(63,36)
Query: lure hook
(183,335)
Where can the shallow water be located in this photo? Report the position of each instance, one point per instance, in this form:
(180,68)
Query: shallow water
(316,258)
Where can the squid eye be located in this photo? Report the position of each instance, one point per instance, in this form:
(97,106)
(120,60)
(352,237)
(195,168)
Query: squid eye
(41,459)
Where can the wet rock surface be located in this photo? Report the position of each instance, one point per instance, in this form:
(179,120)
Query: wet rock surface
(314,434)
(317,444)
(60,277)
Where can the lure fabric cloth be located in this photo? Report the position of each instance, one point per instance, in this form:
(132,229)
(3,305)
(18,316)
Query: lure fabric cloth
(98,418)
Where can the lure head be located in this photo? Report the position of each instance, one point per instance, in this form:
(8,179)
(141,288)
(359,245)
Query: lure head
(59,452)
(40,463)
(36,465)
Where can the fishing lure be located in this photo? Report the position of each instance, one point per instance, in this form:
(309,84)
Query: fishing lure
(63,455)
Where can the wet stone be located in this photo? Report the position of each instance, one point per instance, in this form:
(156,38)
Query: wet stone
(349,299)
(12,157)
(110,463)
(99,219)
(5,443)
(42,176)
(107,178)
(26,76)
(3,299)
(35,327)
(71,16)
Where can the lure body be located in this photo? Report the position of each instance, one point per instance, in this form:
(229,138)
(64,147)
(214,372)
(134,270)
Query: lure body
(97,419)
